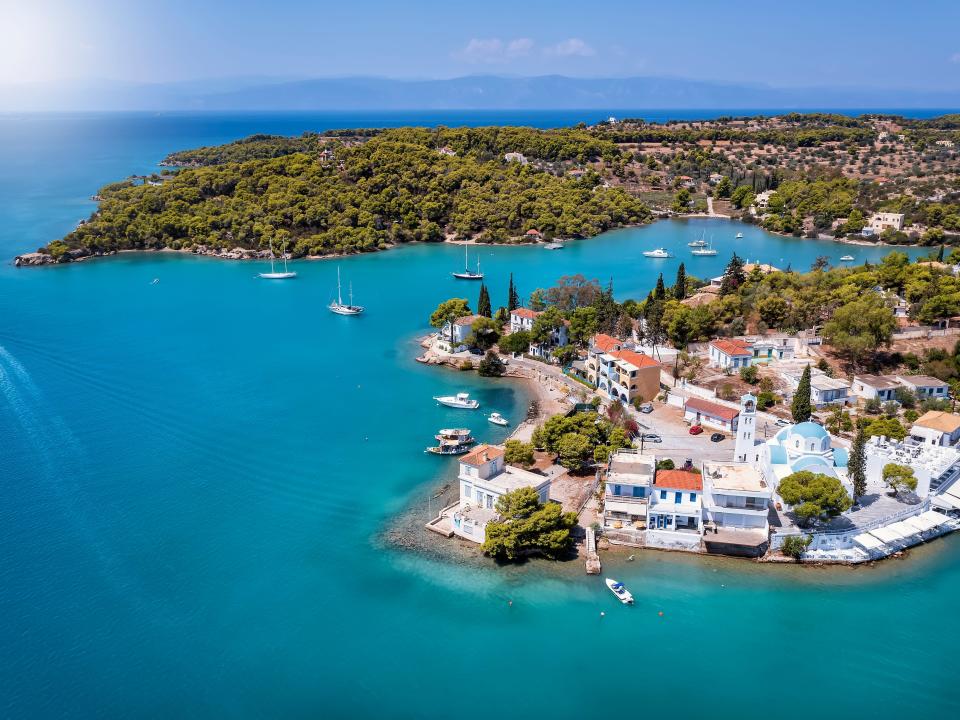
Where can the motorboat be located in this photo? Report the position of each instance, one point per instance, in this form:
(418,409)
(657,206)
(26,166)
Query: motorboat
(739,235)
(498,419)
(556,245)
(698,243)
(448,449)
(461,401)
(273,274)
(847,258)
(618,589)
(455,436)
(339,307)
(467,273)
(658,253)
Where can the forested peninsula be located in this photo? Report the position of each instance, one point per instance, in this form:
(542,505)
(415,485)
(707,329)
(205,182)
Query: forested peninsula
(360,191)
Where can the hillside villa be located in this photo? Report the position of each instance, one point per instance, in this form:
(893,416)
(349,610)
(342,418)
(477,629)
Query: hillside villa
(936,428)
(620,374)
(524,318)
(462,329)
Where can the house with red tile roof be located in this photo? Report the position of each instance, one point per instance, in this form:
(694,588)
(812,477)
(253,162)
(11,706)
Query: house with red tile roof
(524,318)
(619,373)
(698,411)
(730,354)
(674,515)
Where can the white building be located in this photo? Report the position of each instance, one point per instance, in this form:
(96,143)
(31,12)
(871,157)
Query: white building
(881,221)
(730,354)
(762,201)
(675,509)
(627,491)
(736,503)
(936,428)
(462,329)
(824,390)
(881,387)
(805,446)
(931,464)
(925,387)
(524,318)
(744,450)
(515,157)
(484,478)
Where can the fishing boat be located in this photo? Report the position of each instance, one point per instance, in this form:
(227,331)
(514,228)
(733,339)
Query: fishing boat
(847,258)
(698,243)
(461,401)
(455,436)
(498,419)
(739,235)
(555,245)
(618,589)
(467,273)
(658,253)
(339,307)
(273,274)
(442,449)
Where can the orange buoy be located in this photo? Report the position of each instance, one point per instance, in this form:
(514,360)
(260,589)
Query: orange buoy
(660,613)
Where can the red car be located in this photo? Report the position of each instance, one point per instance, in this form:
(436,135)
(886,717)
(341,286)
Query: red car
(696,429)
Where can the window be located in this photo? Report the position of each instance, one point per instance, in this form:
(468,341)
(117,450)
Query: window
(466,491)
(616,490)
(480,497)
(489,501)
(663,494)
(693,497)
(678,497)
(639,491)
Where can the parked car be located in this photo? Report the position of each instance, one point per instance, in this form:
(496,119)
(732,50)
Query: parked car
(782,423)
(717,437)
(646,408)
(696,429)
(651,437)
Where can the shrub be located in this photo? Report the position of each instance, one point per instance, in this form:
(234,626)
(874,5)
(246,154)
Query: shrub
(466,365)
(795,545)
(518,453)
(491,365)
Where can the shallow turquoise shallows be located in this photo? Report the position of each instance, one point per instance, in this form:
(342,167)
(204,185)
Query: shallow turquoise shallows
(196,475)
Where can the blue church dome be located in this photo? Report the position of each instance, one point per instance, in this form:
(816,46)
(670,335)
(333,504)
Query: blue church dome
(809,430)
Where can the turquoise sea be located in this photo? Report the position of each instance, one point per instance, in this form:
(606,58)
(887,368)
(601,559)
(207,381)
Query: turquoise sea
(195,476)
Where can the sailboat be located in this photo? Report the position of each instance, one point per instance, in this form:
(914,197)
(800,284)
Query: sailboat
(273,274)
(467,274)
(702,251)
(338,307)
(698,243)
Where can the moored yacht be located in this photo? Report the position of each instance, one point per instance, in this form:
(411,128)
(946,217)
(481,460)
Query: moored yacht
(739,235)
(467,273)
(555,245)
(704,251)
(698,243)
(658,253)
(452,441)
(618,589)
(847,258)
(273,274)
(339,307)
(498,419)
(461,401)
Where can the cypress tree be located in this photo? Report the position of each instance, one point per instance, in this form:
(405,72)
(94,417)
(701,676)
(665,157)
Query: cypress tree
(513,299)
(857,464)
(940,254)
(660,293)
(800,407)
(483,304)
(733,275)
(680,287)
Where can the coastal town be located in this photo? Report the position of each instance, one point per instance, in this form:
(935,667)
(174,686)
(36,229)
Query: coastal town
(763,445)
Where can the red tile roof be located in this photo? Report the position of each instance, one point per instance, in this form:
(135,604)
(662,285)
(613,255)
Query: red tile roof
(467,320)
(605,343)
(525,313)
(482,454)
(732,347)
(634,358)
(678,480)
(712,409)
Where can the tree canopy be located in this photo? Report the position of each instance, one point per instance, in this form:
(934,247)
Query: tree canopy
(528,527)
(813,495)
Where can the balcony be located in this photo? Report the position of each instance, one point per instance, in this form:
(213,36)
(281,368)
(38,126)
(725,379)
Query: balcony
(625,498)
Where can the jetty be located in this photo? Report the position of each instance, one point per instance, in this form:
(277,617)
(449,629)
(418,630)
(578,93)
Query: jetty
(593,558)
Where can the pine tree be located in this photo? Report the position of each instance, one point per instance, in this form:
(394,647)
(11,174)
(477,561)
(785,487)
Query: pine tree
(857,464)
(800,408)
(680,287)
(483,304)
(733,276)
(513,299)
(660,293)
(940,254)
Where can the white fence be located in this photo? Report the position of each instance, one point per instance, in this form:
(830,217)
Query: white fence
(844,538)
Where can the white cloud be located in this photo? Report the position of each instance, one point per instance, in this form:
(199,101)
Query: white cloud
(955,58)
(494,50)
(571,47)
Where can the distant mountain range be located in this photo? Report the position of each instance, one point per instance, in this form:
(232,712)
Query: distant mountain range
(480,92)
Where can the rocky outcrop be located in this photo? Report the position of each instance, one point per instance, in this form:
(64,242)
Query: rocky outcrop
(34,258)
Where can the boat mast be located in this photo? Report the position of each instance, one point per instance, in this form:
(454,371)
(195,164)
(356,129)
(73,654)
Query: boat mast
(351,293)
(466,258)
(339,296)
(284,257)
(271,256)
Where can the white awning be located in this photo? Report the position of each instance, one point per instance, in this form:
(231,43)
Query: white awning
(904,528)
(933,518)
(868,541)
(918,523)
(953,490)
(947,501)
(887,534)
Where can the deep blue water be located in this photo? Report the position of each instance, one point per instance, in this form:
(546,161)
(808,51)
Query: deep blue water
(195,475)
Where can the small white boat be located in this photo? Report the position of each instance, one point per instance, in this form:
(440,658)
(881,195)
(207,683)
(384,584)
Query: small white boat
(498,419)
(658,253)
(556,245)
(698,243)
(705,251)
(847,258)
(461,401)
(339,307)
(273,274)
(617,588)
(468,274)
(739,235)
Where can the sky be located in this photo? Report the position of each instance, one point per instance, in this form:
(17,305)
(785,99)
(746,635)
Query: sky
(814,43)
